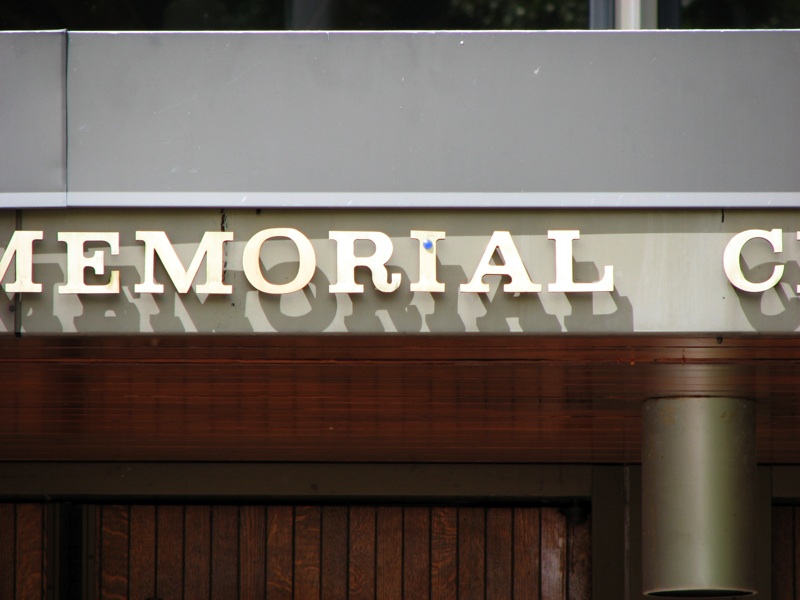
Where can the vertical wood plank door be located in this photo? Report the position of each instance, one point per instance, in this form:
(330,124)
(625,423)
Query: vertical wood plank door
(329,552)
(25,551)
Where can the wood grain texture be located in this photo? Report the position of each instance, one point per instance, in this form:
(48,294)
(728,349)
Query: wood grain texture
(335,533)
(579,560)
(114,558)
(361,583)
(280,552)
(471,553)
(553,554)
(142,551)
(170,554)
(526,553)
(307,551)
(224,552)
(499,553)
(197,552)
(252,552)
(195,398)
(8,548)
(416,552)
(389,559)
(444,553)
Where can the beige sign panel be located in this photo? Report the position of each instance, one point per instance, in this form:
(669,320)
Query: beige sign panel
(481,271)
(7,305)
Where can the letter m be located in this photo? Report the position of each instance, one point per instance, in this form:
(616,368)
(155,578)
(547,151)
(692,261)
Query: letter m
(21,247)
(210,248)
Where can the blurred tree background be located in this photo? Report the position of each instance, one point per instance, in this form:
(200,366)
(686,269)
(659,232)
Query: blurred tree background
(463,14)
(159,15)
(155,15)
(740,14)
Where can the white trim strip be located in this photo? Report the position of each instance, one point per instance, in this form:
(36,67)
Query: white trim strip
(426,200)
(33,200)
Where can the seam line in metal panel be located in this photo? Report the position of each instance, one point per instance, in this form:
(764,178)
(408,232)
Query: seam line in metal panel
(67,37)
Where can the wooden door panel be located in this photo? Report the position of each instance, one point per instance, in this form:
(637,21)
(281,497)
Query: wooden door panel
(331,552)
(26,569)
(197,552)
(444,553)
(142,550)
(253,544)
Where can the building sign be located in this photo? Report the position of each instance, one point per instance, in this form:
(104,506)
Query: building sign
(211,250)
(400,271)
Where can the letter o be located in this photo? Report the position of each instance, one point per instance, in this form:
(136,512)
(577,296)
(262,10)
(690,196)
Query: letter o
(251,261)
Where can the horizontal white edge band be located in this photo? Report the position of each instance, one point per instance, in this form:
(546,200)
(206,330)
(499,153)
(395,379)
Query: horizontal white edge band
(33,200)
(418,200)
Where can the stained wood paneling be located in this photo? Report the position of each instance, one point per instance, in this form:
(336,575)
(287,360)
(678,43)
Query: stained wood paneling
(26,569)
(362,553)
(499,553)
(253,552)
(280,552)
(389,560)
(527,529)
(399,399)
(114,558)
(416,552)
(344,552)
(142,551)
(471,553)
(170,552)
(224,552)
(553,555)
(197,548)
(579,561)
(444,553)
(307,551)
(8,550)
(334,551)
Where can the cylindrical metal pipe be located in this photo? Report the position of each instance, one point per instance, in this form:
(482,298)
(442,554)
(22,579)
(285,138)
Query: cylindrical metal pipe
(698,497)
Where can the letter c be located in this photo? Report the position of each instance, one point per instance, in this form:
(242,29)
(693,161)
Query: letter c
(733,252)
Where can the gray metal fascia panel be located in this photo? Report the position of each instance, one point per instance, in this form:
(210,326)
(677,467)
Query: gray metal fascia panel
(33,119)
(438,119)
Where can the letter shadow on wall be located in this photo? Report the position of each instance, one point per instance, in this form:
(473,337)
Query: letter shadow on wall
(526,308)
(39,312)
(109,312)
(445,317)
(370,307)
(783,295)
(51,312)
(214,312)
(583,319)
(310,310)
